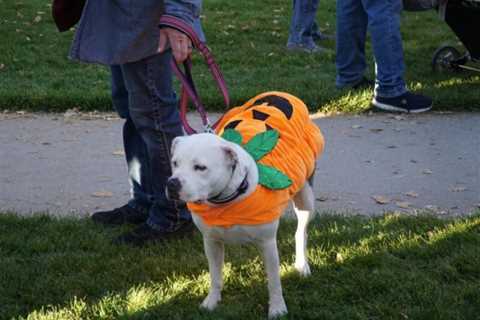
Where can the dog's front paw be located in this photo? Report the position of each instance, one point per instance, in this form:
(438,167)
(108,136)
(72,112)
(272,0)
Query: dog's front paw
(303,268)
(211,301)
(277,309)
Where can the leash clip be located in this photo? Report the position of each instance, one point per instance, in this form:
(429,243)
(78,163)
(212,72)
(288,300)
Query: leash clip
(208,128)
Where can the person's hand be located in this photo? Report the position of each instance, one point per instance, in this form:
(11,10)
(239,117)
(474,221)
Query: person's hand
(179,42)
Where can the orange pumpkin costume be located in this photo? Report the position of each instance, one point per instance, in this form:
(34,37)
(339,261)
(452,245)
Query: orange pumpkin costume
(300,142)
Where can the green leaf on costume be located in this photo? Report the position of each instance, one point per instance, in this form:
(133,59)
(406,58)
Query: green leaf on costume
(272,178)
(262,143)
(258,147)
(232,136)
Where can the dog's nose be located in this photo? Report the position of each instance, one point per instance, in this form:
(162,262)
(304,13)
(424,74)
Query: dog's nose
(174,185)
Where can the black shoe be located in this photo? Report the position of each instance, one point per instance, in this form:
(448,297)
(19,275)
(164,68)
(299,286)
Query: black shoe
(119,216)
(144,234)
(320,36)
(300,47)
(407,102)
(364,83)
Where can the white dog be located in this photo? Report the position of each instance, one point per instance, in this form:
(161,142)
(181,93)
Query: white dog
(218,178)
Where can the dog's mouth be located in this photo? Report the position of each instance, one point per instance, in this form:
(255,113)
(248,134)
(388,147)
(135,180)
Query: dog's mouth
(185,198)
(173,196)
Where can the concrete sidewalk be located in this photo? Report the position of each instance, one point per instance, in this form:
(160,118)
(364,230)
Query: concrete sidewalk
(73,163)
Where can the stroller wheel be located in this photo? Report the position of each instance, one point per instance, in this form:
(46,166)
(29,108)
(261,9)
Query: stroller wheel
(444,59)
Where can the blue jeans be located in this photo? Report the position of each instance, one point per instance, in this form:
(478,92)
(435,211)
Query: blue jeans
(382,18)
(135,149)
(143,94)
(303,25)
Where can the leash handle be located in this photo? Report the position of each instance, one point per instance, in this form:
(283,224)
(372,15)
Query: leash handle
(188,86)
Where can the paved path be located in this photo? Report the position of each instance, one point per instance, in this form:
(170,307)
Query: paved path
(73,163)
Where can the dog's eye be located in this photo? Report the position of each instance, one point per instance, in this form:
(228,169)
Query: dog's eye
(199,167)
(174,164)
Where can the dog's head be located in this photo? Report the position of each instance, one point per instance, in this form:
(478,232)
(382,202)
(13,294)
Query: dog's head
(202,166)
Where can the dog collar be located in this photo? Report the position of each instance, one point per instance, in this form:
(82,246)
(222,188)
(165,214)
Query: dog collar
(242,188)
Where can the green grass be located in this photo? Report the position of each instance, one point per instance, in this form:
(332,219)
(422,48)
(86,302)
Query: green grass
(248,38)
(390,267)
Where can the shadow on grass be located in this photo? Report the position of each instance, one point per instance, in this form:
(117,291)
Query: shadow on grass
(388,267)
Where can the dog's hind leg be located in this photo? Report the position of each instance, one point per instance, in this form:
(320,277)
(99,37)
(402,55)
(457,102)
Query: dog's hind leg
(215,252)
(304,207)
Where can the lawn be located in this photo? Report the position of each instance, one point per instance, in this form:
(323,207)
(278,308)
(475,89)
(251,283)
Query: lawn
(248,38)
(389,267)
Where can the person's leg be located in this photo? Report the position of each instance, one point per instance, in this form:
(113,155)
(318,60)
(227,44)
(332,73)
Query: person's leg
(350,43)
(136,211)
(315,31)
(317,35)
(384,28)
(309,9)
(136,153)
(153,109)
(391,93)
(303,19)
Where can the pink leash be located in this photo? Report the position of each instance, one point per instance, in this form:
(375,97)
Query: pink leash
(188,86)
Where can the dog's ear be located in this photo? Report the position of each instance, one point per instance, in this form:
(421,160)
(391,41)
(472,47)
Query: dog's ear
(175,142)
(231,155)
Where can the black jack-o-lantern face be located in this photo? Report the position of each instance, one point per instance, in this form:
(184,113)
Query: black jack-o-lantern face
(270,101)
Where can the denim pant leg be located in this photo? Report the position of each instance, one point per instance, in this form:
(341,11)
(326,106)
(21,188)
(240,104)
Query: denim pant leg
(153,109)
(384,28)
(135,149)
(302,23)
(351,34)
(315,29)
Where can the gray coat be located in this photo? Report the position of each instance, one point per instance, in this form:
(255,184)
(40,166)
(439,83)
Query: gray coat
(120,31)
